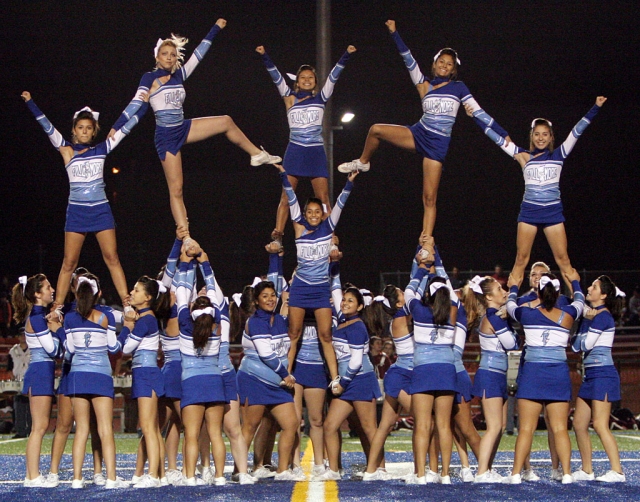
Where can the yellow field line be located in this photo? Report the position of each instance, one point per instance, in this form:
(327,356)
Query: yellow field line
(314,491)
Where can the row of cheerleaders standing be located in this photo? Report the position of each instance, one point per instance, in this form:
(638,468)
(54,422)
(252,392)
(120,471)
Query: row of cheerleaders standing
(319,339)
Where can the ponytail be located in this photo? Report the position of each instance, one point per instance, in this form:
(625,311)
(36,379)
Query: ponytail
(23,296)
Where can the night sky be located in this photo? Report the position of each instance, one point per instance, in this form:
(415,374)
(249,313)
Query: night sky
(521,60)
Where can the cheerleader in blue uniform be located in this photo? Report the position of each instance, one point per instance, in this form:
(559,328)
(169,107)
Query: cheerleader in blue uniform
(487,297)
(601,383)
(310,288)
(357,389)
(545,377)
(305,155)
(88,209)
(91,336)
(141,338)
(30,299)
(441,97)
(541,204)
(203,395)
(264,381)
(166,96)
(434,379)
(231,422)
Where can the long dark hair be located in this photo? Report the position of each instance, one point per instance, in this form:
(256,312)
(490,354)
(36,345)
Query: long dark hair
(160,302)
(23,301)
(203,326)
(238,314)
(85,297)
(376,315)
(613,302)
(548,295)
(440,302)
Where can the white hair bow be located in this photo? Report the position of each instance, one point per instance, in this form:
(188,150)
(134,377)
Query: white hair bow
(23,280)
(383,300)
(435,286)
(619,292)
(161,289)
(533,122)
(546,280)
(207,310)
(366,296)
(96,115)
(435,58)
(474,284)
(237,298)
(92,283)
(256,281)
(157,47)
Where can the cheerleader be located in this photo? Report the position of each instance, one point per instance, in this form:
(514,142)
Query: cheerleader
(545,377)
(30,299)
(541,204)
(487,297)
(305,155)
(434,379)
(88,209)
(310,287)
(264,383)
(141,338)
(441,97)
(357,389)
(601,383)
(91,336)
(166,96)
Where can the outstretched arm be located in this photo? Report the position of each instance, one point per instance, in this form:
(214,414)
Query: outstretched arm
(506,145)
(414,70)
(579,128)
(138,105)
(54,135)
(342,200)
(327,90)
(276,76)
(294,205)
(202,49)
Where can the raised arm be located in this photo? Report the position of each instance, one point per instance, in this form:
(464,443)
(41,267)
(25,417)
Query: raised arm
(329,85)
(202,49)
(579,128)
(294,205)
(342,200)
(138,105)
(414,70)
(474,110)
(54,135)
(275,273)
(214,293)
(276,76)
(113,345)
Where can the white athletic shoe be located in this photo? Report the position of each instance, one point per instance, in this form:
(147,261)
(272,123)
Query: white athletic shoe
(412,479)
(264,158)
(567,479)
(99,479)
(290,475)
(445,480)
(135,479)
(297,470)
(432,477)
(53,480)
(466,475)
(77,483)
(147,482)
(496,475)
(208,475)
(164,481)
(221,481)
(244,478)
(556,474)
(115,484)
(486,477)
(328,475)
(530,475)
(263,472)
(39,482)
(173,476)
(612,477)
(580,475)
(379,475)
(318,470)
(354,165)
(514,479)
(189,482)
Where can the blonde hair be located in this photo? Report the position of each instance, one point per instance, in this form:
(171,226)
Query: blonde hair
(178,43)
(475,304)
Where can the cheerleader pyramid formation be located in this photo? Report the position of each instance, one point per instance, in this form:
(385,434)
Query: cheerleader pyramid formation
(308,338)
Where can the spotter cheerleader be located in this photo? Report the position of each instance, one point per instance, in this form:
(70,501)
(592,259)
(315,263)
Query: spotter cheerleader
(88,209)
(441,97)
(305,155)
(166,96)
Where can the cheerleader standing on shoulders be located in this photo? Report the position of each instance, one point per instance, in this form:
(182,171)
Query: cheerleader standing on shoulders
(305,155)
(310,288)
(541,204)
(203,394)
(434,379)
(545,377)
(91,336)
(141,338)
(88,209)
(490,382)
(357,388)
(441,97)
(264,383)
(166,96)
(30,299)
(601,384)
